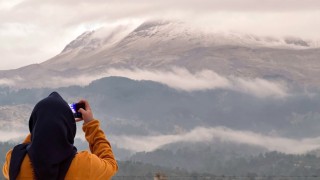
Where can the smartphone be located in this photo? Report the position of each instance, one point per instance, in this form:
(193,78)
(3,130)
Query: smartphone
(75,108)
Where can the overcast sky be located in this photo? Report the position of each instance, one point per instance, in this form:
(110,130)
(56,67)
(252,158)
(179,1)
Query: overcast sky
(32,31)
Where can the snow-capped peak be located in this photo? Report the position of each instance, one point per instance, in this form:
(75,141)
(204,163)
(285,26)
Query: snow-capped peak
(79,42)
(99,39)
(153,32)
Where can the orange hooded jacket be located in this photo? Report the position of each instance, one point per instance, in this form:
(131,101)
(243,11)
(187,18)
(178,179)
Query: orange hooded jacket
(101,164)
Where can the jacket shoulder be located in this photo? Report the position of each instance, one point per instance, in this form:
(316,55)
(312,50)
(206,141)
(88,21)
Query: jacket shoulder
(6,165)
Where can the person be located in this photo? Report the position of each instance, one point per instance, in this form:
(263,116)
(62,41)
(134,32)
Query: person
(48,151)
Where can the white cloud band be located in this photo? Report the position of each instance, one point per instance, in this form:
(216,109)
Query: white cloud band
(214,134)
(177,78)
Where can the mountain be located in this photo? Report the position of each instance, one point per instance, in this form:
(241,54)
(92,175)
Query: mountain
(170,94)
(147,108)
(162,45)
(153,123)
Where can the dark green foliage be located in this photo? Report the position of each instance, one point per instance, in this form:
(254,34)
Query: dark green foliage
(268,166)
(219,163)
(130,170)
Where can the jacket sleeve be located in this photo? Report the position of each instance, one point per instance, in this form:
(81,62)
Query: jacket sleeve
(6,165)
(5,168)
(103,162)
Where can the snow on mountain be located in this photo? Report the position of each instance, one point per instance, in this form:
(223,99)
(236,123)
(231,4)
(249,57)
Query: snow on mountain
(154,32)
(164,45)
(124,44)
(90,43)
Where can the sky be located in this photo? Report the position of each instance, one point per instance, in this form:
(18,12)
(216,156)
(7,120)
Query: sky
(32,31)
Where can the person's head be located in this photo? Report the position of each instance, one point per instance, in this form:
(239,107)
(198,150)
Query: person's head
(53,129)
(53,117)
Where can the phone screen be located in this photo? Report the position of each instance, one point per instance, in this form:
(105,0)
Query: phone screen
(75,108)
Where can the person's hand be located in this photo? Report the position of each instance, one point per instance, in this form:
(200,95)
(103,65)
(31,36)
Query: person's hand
(87,114)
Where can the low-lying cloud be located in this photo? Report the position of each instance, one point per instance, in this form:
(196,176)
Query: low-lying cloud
(199,134)
(214,134)
(6,82)
(15,136)
(182,79)
(177,78)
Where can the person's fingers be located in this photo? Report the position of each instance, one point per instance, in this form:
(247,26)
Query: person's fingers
(78,119)
(87,106)
(86,112)
(82,101)
(82,111)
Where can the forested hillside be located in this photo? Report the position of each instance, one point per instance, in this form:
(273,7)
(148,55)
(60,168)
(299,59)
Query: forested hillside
(268,166)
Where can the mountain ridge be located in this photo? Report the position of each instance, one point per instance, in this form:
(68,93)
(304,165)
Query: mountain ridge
(161,45)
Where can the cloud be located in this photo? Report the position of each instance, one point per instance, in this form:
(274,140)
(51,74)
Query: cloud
(214,134)
(11,82)
(259,87)
(177,78)
(11,135)
(199,134)
(6,82)
(183,79)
